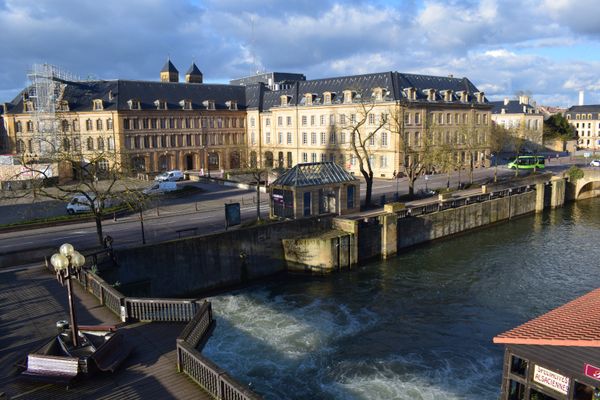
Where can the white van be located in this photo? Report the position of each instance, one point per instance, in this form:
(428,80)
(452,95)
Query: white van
(170,176)
(160,187)
(79,204)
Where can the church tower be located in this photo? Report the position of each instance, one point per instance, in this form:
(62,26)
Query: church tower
(169,73)
(193,75)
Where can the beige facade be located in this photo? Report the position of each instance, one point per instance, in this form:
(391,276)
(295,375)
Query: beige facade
(286,135)
(586,120)
(522,119)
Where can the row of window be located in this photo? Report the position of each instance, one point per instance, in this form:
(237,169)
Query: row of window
(583,116)
(533,124)
(66,144)
(188,140)
(182,123)
(439,118)
(67,126)
(589,125)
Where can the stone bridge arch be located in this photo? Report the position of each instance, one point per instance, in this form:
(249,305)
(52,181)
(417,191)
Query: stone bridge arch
(588,186)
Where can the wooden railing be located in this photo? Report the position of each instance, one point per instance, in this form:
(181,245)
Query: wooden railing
(174,310)
(202,370)
(192,338)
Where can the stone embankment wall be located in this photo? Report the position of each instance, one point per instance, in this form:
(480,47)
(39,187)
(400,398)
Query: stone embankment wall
(416,230)
(190,265)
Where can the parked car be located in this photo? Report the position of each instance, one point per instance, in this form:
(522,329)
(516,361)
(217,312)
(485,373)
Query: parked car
(170,176)
(79,204)
(595,163)
(160,187)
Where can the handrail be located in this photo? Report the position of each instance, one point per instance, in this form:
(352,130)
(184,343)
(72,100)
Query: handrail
(442,205)
(161,309)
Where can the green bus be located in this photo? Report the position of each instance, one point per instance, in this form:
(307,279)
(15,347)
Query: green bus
(528,162)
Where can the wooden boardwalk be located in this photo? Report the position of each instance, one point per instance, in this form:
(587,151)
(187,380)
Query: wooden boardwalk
(31,301)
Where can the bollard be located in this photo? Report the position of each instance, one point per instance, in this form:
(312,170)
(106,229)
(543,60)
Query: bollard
(115,216)
(196,204)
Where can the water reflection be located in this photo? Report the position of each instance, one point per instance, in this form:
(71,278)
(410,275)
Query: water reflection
(418,326)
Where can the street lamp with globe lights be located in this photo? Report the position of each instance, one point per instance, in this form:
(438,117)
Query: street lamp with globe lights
(67,263)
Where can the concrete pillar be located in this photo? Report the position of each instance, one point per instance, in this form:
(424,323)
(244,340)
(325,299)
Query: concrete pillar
(539,197)
(389,235)
(155,161)
(558,192)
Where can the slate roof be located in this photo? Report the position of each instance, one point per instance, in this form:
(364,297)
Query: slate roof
(591,108)
(309,174)
(394,82)
(513,107)
(193,70)
(80,95)
(576,323)
(169,67)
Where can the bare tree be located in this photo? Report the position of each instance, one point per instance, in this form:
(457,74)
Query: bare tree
(498,140)
(93,177)
(363,126)
(414,146)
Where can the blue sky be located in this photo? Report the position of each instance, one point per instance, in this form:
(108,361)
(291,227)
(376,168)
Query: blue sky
(548,48)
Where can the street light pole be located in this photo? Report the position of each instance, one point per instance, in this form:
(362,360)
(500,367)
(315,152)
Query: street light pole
(67,263)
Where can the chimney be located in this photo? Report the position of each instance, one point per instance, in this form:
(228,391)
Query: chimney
(523,99)
(581,97)
(506,101)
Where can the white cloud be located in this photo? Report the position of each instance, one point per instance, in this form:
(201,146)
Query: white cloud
(502,46)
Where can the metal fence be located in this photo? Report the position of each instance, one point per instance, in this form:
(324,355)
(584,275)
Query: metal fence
(441,205)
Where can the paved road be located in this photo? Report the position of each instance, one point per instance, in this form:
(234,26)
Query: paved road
(203,211)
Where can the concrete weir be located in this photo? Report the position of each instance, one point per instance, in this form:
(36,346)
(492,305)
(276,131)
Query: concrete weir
(382,234)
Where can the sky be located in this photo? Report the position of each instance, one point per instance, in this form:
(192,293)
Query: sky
(546,48)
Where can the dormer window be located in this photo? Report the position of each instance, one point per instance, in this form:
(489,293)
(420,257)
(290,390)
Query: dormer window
(447,95)
(96,105)
(463,95)
(378,94)
(209,104)
(411,93)
(285,99)
(480,96)
(309,98)
(231,104)
(430,94)
(327,98)
(160,104)
(349,96)
(28,106)
(185,104)
(134,104)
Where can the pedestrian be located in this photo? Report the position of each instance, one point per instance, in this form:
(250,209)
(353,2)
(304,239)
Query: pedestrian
(9,187)
(394,175)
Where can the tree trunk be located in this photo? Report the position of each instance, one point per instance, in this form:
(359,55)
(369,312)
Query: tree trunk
(98,218)
(258,198)
(411,185)
(369,181)
(495,169)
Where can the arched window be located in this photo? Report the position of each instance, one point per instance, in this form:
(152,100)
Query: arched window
(111,143)
(90,143)
(88,125)
(65,125)
(19,126)
(109,123)
(66,144)
(100,143)
(98,124)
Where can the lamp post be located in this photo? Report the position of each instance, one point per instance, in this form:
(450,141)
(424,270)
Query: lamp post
(67,263)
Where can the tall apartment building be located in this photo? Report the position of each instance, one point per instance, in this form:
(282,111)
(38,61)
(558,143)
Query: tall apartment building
(270,120)
(312,120)
(586,120)
(522,119)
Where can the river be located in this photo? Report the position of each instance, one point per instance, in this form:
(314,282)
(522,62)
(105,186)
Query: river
(417,326)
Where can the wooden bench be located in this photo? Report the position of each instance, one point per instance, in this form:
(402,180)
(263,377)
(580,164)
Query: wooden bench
(52,369)
(112,353)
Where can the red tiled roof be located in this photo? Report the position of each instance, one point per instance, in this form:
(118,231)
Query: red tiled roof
(576,323)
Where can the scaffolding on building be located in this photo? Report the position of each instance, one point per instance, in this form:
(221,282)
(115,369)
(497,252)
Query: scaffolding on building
(44,97)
